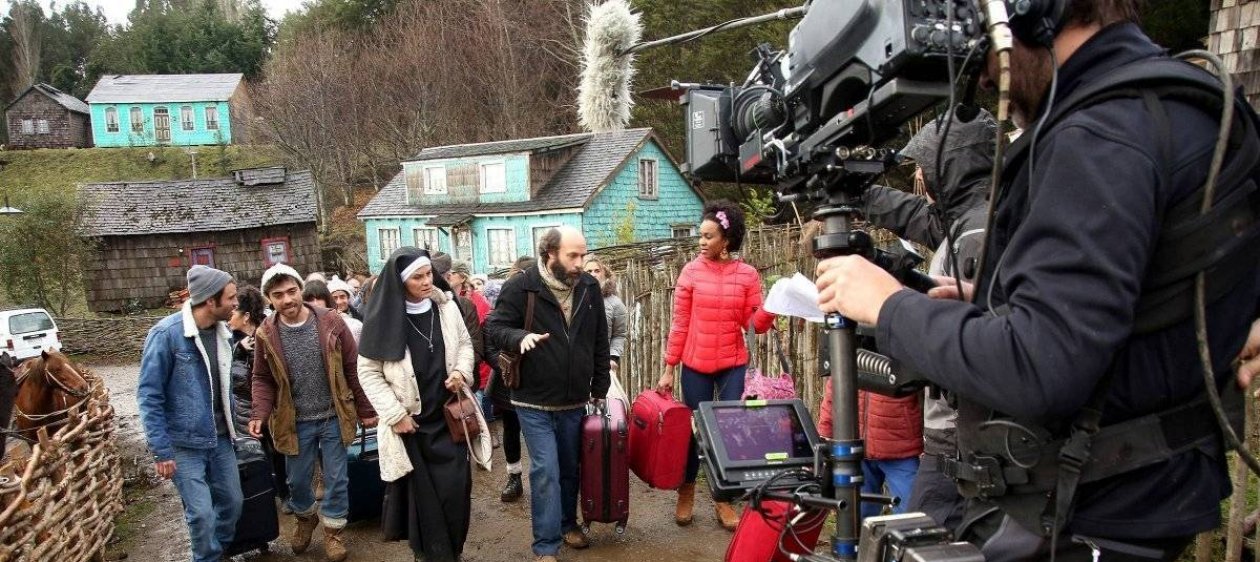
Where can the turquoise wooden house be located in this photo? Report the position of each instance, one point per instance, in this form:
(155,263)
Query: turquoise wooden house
(489,203)
(168,110)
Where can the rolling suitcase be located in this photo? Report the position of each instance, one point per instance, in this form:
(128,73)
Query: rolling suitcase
(366,490)
(259,523)
(660,435)
(605,474)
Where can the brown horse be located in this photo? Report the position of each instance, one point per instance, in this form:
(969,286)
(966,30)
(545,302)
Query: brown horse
(47,390)
(8,390)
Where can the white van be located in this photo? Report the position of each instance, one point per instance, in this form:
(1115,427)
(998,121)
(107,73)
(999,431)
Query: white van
(27,332)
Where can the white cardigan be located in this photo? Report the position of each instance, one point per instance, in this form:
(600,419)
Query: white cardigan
(391,386)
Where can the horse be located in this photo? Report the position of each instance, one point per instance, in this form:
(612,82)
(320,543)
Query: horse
(8,391)
(48,389)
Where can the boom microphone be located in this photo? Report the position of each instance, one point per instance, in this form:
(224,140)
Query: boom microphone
(607,68)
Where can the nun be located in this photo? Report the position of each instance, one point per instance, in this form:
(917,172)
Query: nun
(415,354)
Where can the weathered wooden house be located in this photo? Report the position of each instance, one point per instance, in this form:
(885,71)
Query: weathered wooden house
(149,233)
(1234,35)
(45,117)
(169,109)
(489,203)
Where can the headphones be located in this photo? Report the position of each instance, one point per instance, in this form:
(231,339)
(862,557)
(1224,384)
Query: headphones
(1036,22)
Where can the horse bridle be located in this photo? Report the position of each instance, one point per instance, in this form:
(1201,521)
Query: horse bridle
(65,402)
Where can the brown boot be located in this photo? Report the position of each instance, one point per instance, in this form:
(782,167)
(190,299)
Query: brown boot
(726,515)
(334,545)
(302,529)
(683,513)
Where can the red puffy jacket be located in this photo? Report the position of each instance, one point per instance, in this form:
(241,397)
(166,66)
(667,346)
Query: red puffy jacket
(713,304)
(892,428)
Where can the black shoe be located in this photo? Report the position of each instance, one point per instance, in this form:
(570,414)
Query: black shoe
(513,489)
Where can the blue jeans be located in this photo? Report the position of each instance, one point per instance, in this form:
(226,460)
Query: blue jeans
(210,487)
(897,474)
(319,440)
(554,440)
(700,387)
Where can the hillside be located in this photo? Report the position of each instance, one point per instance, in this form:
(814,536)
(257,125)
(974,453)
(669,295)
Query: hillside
(22,171)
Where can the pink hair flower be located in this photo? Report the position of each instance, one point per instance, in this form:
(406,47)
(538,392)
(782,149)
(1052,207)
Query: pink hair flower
(721,217)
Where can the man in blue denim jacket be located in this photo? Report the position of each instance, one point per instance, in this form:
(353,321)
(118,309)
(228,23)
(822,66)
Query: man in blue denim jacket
(185,405)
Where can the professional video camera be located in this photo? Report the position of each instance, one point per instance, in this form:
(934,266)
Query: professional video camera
(853,74)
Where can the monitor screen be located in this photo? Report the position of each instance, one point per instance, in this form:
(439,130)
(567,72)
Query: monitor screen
(769,433)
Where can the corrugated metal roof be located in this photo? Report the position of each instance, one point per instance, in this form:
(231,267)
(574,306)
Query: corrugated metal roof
(163,88)
(201,205)
(63,99)
(570,188)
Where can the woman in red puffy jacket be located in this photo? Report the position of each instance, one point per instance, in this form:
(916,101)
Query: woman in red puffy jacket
(716,299)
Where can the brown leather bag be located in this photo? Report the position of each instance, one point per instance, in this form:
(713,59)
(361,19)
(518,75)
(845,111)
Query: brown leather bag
(461,418)
(510,361)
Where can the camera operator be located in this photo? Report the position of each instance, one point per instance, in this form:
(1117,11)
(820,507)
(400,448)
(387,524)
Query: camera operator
(1056,316)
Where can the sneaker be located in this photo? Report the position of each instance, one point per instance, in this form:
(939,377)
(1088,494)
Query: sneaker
(576,539)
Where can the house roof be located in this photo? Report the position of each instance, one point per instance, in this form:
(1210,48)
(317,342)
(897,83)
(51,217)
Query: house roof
(63,99)
(201,205)
(571,187)
(163,88)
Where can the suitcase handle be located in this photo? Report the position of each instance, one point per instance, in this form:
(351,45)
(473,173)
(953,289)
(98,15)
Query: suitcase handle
(642,423)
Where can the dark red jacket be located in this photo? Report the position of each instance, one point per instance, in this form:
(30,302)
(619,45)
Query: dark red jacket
(891,427)
(713,305)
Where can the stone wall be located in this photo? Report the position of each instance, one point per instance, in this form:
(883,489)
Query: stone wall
(121,337)
(128,272)
(65,128)
(1233,35)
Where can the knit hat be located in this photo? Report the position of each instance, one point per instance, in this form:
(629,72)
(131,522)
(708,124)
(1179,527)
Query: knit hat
(279,270)
(461,267)
(336,284)
(441,264)
(205,282)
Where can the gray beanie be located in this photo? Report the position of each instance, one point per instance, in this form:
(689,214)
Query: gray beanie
(205,282)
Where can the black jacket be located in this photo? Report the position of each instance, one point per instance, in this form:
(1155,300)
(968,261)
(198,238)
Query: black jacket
(571,366)
(1073,247)
(242,364)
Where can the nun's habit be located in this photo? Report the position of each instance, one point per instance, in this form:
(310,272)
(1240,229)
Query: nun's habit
(429,505)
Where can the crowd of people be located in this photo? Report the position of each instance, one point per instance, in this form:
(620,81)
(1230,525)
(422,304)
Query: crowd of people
(1041,324)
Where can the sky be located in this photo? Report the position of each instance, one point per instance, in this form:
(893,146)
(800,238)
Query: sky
(116,10)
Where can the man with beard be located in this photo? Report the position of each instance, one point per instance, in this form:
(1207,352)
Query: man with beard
(564,366)
(1083,425)
(306,388)
(185,405)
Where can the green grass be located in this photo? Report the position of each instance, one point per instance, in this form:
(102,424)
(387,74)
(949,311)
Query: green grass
(25,171)
(131,523)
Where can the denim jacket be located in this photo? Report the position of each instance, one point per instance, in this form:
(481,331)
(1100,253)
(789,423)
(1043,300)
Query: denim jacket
(174,391)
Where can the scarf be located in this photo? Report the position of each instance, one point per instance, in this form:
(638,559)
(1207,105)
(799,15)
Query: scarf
(563,292)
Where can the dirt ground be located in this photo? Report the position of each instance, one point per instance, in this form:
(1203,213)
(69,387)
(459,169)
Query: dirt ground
(153,530)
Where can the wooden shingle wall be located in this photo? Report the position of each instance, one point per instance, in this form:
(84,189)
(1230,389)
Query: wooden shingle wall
(1233,35)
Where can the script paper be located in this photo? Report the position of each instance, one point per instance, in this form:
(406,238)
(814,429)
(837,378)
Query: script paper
(795,296)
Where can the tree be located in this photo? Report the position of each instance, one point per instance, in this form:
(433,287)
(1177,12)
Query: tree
(25,22)
(41,254)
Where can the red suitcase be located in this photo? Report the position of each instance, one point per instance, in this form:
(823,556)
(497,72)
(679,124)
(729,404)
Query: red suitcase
(759,532)
(660,436)
(605,485)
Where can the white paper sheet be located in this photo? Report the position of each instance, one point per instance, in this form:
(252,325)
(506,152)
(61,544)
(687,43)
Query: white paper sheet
(795,296)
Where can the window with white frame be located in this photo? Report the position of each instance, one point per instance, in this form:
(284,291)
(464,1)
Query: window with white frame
(648,188)
(435,180)
(212,118)
(493,177)
(186,118)
(682,231)
(137,120)
(426,238)
(501,244)
(28,126)
(41,126)
(539,232)
(111,120)
(389,241)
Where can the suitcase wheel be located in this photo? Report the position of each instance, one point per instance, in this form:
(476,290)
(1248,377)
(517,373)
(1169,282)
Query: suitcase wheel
(620,528)
(586,528)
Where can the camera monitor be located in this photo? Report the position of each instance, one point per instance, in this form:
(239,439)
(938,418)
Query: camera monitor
(744,443)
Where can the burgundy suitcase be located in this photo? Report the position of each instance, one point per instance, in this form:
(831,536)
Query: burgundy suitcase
(760,532)
(605,472)
(660,436)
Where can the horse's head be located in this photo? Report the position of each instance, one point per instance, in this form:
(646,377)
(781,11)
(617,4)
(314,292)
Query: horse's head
(59,372)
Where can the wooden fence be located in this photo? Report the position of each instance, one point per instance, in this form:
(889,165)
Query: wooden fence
(61,503)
